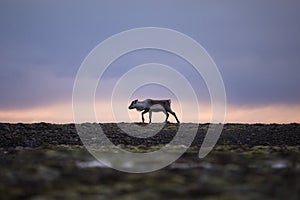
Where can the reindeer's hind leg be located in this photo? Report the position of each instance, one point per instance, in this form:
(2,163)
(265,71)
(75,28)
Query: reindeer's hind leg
(168,109)
(173,113)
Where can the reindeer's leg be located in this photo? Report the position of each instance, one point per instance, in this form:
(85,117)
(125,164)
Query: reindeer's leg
(167,116)
(150,116)
(173,113)
(145,111)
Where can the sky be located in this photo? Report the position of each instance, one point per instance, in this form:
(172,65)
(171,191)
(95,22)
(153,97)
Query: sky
(254,43)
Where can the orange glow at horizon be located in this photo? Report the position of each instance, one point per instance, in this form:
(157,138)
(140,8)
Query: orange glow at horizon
(62,113)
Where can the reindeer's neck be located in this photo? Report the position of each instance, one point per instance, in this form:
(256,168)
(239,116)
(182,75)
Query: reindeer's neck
(141,106)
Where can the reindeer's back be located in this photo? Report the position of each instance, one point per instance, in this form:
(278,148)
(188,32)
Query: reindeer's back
(161,101)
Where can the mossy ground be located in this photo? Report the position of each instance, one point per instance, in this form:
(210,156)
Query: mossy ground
(228,172)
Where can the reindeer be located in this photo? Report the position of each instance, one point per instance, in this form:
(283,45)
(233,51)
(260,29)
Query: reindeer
(150,105)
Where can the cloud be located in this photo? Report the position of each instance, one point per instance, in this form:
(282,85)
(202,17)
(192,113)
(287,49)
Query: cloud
(33,87)
(255,44)
(62,113)
(272,113)
(250,80)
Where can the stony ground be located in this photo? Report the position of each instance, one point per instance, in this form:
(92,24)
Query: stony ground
(44,134)
(47,161)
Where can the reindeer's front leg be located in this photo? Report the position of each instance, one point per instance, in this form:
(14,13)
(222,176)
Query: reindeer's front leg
(150,116)
(145,111)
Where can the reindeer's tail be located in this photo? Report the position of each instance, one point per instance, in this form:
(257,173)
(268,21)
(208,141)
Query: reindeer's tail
(169,101)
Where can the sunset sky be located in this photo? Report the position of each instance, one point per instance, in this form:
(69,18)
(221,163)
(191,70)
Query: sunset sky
(254,43)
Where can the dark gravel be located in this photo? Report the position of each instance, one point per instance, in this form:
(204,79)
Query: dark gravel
(45,134)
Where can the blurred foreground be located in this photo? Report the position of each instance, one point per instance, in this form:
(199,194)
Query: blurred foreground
(230,171)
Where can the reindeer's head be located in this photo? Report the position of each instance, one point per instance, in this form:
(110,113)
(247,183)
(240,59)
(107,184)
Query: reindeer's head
(133,104)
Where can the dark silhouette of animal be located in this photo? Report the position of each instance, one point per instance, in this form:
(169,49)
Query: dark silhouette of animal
(150,105)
